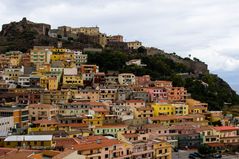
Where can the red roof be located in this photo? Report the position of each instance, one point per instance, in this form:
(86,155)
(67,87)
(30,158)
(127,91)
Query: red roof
(226,128)
(45,121)
(66,142)
(97,143)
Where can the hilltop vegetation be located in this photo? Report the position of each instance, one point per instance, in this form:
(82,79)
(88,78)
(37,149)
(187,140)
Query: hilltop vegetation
(205,87)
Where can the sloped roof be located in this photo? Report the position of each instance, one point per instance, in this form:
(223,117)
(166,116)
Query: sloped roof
(29,138)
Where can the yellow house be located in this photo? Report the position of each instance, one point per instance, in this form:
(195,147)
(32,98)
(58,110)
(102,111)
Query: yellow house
(181,109)
(15,60)
(162,149)
(64,55)
(29,141)
(43,68)
(59,50)
(58,57)
(43,125)
(82,133)
(52,83)
(71,126)
(40,56)
(56,96)
(72,80)
(163,109)
(58,54)
(196,107)
(208,134)
(91,95)
(43,81)
(93,120)
(214,116)
(143,112)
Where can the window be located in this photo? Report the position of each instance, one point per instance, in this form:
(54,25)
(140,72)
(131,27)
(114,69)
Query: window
(106,155)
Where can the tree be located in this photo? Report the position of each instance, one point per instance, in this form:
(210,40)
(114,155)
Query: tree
(59,36)
(205,150)
(142,50)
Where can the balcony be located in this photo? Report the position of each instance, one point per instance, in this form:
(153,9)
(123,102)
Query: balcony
(142,152)
(163,154)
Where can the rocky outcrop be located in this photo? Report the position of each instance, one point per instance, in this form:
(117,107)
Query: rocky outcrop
(20,27)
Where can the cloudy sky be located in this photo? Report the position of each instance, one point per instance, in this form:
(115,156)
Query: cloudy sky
(206,29)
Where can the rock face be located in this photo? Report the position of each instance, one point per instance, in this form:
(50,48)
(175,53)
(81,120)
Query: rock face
(23,25)
(23,35)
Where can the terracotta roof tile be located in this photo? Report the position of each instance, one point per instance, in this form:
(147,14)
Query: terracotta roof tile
(66,142)
(96,144)
(45,121)
(226,128)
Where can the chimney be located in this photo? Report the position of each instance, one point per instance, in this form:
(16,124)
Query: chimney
(98,141)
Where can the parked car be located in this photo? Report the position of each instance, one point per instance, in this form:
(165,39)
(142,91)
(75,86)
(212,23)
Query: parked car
(198,155)
(217,156)
(191,156)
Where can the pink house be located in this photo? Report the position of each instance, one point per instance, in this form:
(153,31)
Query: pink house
(157,94)
(135,103)
(228,134)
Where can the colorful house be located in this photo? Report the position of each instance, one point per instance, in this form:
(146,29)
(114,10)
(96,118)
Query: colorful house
(43,125)
(228,134)
(177,94)
(157,94)
(72,80)
(169,119)
(29,141)
(196,107)
(109,129)
(163,109)
(162,149)
(42,111)
(126,79)
(19,114)
(142,112)
(102,147)
(181,109)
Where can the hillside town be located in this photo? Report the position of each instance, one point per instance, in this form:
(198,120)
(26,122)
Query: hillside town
(55,104)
